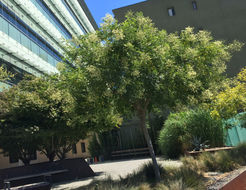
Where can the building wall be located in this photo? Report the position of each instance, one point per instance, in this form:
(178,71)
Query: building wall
(32,32)
(5,162)
(225,19)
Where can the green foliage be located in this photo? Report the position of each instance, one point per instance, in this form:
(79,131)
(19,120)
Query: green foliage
(170,143)
(181,128)
(172,178)
(189,178)
(108,141)
(239,154)
(147,171)
(4,74)
(94,147)
(128,61)
(130,68)
(231,100)
(37,114)
(193,164)
(221,161)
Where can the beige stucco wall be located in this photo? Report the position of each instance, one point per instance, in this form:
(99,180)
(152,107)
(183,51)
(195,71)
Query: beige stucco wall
(4,160)
(225,19)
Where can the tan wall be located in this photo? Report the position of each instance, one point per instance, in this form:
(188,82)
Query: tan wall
(224,18)
(4,160)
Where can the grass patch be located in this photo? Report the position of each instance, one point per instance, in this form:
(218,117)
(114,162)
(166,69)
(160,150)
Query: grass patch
(173,178)
(187,177)
(221,161)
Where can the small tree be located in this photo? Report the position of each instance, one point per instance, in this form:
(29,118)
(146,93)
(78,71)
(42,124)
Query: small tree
(134,67)
(37,114)
(232,100)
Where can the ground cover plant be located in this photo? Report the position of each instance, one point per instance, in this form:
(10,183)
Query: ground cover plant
(190,175)
(221,161)
(172,178)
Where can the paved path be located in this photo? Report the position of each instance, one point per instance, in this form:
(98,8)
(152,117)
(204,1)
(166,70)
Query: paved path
(113,169)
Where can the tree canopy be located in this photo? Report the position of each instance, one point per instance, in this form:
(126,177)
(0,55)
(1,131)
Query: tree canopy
(37,114)
(132,66)
(232,100)
(4,74)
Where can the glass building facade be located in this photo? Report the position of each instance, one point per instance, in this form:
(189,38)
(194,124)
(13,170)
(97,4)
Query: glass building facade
(32,32)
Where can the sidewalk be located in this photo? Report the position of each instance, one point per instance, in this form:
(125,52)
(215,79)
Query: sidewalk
(115,169)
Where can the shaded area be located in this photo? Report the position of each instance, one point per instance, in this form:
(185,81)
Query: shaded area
(57,171)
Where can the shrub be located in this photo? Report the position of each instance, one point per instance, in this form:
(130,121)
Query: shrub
(181,128)
(194,164)
(189,177)
(207,159)
(94,147)
(219,161)
(148,171)
(169,141)
(224,161)
(173,178)
(238,154)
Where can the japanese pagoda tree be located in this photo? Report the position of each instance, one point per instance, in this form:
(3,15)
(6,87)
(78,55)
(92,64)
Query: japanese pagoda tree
(135,67)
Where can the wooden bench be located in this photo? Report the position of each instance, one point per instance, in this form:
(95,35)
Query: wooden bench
(47,176)
(130,152)
(196,153)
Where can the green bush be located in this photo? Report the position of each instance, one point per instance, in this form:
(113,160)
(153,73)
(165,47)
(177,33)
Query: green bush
(170,142)
(224,161)
(180,129)
(193,164)
(94,147)
(219,161)
(238,154)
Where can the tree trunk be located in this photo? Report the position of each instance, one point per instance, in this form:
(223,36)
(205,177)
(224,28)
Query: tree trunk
(142,117)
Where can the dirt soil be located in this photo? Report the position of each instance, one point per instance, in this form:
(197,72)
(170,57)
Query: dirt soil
(218,180)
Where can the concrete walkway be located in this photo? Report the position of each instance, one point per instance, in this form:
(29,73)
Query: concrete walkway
(115,169)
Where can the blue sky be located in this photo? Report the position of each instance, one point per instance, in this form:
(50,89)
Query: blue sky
(99,8)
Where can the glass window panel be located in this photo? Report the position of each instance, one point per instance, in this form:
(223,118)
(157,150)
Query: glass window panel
(35,48)
(1,23)
(14,33)
(50,59)
(5,27)
(43,54)
(55,62)
(25,41)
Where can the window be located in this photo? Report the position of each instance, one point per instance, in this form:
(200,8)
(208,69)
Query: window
(13,26)
(194,5)
(83,147)
(74,149)
(171,11)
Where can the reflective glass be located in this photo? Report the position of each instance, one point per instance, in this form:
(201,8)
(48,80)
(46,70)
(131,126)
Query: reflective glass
(22,33)
(25,41)
(14,33)
(35,48)
(5,27)
(42,7)
(43,54)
